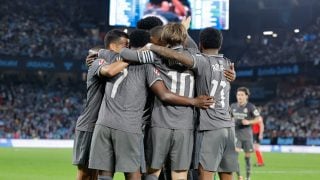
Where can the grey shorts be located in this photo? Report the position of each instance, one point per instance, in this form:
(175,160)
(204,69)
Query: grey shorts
(175,144)
(81,148)
(116,151)
(216,151)
(246,145)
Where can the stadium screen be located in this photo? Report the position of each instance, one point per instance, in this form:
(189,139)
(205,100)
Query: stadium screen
(204,13)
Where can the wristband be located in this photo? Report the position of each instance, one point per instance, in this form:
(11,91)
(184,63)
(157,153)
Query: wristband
(148,46)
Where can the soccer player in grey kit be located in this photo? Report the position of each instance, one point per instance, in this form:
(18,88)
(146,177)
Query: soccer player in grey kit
(245,114)
(117,139)
(164,117)
(172,126)
(98,73)
(215,144)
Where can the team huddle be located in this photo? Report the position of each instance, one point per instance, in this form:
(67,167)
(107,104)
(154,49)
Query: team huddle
(155,100)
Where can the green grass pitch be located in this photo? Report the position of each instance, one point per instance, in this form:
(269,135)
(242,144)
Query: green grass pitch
(45,164)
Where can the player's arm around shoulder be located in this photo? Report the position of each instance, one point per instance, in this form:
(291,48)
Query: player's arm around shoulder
(112,69)
(142,56)
(184,58)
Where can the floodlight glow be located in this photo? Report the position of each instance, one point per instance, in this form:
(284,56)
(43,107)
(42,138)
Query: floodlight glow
(266,33)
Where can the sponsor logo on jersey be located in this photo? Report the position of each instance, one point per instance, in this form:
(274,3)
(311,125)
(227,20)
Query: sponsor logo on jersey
(256,112)
(156,71)
(245,110)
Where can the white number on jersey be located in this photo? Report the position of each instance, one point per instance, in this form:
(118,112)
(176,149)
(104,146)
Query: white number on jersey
(174,78)
(214,89)
(117,83)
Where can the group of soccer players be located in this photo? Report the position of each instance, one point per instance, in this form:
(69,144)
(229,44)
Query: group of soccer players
(141,113)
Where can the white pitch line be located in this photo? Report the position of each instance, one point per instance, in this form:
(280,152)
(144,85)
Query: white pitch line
(287,172)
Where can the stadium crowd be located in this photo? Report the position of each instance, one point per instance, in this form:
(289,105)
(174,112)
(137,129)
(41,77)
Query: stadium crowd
(50,111)
(27,30)
(294,48)
(44,29)
(36,109)
(294,113)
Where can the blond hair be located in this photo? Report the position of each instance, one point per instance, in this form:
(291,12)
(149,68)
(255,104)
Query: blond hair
(174,34)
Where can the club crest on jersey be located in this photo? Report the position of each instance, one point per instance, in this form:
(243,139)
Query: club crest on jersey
(217,67)
(245,110)
(256,112)
(101,61)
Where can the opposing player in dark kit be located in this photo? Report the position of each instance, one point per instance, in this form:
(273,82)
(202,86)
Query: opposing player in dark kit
(245,114)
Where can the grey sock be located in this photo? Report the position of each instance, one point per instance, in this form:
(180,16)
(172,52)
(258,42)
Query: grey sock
(151,177)
(104,177)
(248,166)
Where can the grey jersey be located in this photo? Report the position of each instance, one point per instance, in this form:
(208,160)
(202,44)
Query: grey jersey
(211,81)
(125,97)
(178,79)
(248,112)
(95,91)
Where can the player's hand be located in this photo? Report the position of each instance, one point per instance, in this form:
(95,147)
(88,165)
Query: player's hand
(90,58)
(203,102)
(245,122)
(230,74)
(260,136)
(186,22)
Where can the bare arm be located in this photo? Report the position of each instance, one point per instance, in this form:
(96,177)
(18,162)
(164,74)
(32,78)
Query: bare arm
(189,42)
(254,121)
(161,91)
(183,58)
(113,69)
(261,128)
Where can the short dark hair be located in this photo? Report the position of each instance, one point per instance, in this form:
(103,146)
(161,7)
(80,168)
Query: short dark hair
(156,2)
(149,23)
(114,36)
(139,38)
(211,38)
(245,90)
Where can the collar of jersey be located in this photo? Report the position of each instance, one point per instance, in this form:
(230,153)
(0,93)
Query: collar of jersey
(177,47)
(214,55)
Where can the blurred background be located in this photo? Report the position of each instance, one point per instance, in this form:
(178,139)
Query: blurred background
(43,44)
(275,45)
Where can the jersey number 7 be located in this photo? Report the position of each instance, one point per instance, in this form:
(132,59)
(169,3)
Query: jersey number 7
(117,83)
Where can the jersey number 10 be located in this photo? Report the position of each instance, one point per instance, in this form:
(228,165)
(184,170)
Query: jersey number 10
(183,76)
